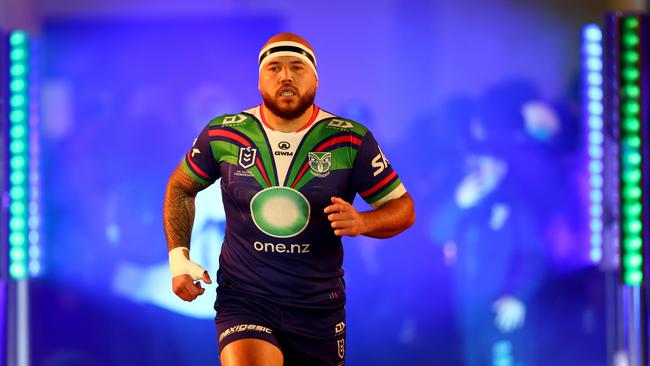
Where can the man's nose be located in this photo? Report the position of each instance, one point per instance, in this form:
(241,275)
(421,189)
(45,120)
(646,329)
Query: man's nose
(285,75)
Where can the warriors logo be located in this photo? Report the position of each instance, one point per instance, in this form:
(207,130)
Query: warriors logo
(320,163)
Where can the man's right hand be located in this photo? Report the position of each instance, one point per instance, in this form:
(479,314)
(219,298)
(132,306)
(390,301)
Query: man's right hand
(187,289)
(184,273)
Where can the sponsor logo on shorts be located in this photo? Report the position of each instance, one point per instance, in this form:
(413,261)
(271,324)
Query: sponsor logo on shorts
(242,328)
(341,345)
(298,248)
(339,328)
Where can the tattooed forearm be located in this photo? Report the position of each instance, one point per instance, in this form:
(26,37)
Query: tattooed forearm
(178,211)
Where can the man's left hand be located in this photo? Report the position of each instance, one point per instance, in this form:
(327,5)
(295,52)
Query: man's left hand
(345,219)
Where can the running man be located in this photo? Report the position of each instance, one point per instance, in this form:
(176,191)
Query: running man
(289,172)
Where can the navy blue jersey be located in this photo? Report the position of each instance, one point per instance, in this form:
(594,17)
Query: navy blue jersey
(275,185)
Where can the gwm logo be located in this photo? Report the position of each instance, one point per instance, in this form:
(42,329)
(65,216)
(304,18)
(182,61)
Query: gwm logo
(283,146)
(320,163)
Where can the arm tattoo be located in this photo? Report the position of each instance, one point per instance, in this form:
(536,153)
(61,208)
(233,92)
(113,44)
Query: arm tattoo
(178,211)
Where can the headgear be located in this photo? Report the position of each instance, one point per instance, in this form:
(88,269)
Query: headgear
(287,48)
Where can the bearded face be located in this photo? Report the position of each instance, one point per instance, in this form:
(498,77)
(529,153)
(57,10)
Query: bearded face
(288,86)
(288,103)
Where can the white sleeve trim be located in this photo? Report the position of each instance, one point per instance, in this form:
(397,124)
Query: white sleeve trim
(396,193)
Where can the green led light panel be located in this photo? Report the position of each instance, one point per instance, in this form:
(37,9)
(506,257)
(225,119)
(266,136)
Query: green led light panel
(19,56)
(631,153)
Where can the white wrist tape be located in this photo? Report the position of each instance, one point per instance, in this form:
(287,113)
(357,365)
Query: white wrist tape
(179,265)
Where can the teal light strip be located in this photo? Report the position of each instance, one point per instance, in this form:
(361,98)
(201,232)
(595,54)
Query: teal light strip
(19,158)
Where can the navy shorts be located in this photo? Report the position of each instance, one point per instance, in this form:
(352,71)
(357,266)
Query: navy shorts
(305,336)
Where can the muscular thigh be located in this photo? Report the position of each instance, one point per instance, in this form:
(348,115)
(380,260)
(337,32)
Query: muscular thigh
(251,352)
(240,319)
(252,332)
(314,338)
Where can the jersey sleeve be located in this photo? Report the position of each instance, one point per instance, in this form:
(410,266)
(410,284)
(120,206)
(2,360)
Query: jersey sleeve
(199,162)
(373,176)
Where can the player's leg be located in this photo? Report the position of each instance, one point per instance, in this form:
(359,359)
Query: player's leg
(313,337)
(246,331)
(300,351)
(251,352)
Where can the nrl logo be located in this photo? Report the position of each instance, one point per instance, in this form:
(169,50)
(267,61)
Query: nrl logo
(320,163)
(247,156)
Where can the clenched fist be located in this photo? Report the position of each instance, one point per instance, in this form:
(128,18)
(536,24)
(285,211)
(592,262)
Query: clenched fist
(345,219)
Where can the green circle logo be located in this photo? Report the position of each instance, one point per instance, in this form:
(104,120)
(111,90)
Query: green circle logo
(281,212)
